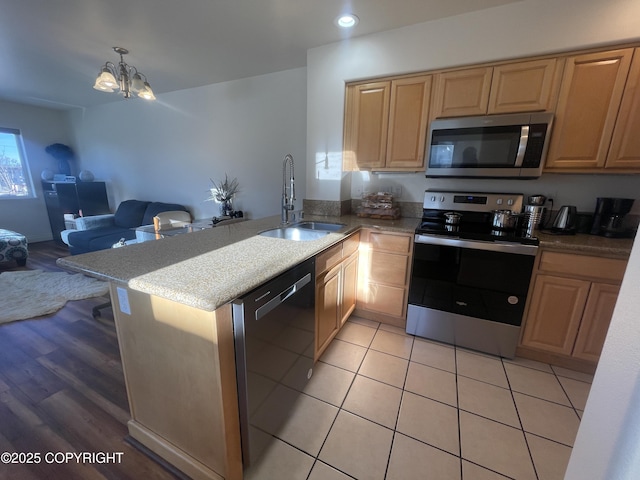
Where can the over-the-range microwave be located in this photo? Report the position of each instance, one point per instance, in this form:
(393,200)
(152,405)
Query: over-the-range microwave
(491,146)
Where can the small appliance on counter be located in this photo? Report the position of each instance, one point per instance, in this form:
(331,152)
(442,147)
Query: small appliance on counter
(534,212)
(565,221)
(609,217)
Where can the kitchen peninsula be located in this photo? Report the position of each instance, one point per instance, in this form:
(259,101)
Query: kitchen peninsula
(171,301)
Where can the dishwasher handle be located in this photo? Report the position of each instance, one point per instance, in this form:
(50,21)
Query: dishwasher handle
(282,296)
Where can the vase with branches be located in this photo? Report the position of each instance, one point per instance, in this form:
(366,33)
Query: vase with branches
(223,192)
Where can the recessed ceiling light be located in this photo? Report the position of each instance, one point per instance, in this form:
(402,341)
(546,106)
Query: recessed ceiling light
(347,20)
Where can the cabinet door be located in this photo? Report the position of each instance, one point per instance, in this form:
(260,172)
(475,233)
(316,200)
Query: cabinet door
(328,308)
(408,116)
(525,86)
(385,261)
(349,286)
(595,321)
(555,312)
(590,96)
(462,92)
(366,125)
(625,144)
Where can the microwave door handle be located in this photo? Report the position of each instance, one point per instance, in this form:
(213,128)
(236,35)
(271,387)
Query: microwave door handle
(522,147)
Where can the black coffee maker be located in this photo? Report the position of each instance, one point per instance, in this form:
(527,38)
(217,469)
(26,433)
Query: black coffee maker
(608,219)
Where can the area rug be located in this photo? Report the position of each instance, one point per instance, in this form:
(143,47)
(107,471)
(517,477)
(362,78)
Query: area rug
(33,293)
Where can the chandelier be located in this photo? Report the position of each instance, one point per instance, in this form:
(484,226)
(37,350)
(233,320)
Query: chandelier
(123,78)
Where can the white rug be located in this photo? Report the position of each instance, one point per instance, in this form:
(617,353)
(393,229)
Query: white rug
(33,293)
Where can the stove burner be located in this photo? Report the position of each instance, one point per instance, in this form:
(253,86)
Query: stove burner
(474,222)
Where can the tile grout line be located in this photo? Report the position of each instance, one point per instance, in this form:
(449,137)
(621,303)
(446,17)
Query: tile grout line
(513,399)
(340,407)
(455,363)
(369,348)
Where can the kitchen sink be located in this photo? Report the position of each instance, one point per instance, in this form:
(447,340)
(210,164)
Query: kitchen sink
(295,233)
(328,227)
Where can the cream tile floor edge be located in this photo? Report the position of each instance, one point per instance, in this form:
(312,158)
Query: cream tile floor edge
(384,405)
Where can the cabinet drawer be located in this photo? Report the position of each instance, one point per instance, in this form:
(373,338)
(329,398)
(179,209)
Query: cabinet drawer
(350,245)
(328,258)
(389,268)
(385,299)
(583,265)
(390,243)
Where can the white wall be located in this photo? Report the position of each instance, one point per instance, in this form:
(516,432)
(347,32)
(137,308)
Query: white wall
(169,149)
(39,127)
(608,441)
(516,30)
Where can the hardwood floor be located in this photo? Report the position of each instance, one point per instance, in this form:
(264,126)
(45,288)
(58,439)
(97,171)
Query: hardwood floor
(62,392)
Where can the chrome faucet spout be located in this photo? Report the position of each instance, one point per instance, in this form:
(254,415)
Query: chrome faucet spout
(287,202)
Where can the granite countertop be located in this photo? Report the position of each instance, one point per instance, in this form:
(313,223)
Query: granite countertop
(208,268)
(587,244)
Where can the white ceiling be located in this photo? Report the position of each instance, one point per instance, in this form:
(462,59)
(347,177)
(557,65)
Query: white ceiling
(51,50)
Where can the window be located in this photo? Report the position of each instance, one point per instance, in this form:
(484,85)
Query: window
(15,180)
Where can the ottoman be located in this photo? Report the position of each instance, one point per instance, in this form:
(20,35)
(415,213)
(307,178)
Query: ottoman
(13,246)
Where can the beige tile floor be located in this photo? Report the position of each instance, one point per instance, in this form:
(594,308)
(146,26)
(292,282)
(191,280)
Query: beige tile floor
(383,405)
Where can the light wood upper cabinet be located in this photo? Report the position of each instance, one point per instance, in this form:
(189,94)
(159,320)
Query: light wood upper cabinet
(386,123)
(509,88)
(595,96)
(525,86)
(462,92)
(366,124)
(590,96)
(625,144)
(410,99)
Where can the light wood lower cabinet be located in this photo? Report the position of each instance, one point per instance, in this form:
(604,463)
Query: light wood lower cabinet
(593,329)
(336,286)
(385,267)
(179,370)
(570,307)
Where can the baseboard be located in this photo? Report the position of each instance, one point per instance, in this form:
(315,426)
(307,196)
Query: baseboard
(171,454)
(557,360)
(380,317)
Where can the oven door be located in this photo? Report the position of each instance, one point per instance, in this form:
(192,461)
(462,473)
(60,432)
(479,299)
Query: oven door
(469,293)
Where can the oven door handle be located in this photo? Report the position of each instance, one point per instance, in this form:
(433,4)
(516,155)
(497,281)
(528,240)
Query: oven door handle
(505,247)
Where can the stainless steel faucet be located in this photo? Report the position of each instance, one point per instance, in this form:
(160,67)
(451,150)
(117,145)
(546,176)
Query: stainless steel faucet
(287,202)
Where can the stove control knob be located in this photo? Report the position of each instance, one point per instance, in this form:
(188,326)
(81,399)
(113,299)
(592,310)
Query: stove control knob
(442,198)
(433,198)
(510,202)
(499,201)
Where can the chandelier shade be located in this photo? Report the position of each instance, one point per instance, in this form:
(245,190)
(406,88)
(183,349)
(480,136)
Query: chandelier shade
(123,78)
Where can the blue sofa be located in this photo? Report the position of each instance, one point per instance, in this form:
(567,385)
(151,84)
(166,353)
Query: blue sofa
(102,231)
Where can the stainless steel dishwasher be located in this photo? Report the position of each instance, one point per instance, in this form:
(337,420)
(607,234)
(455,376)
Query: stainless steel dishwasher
(274,329)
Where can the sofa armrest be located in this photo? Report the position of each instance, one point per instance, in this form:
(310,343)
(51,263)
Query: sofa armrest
(64,235)
(95,221)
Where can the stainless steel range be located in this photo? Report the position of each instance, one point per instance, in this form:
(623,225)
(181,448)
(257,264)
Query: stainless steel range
(471,271)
